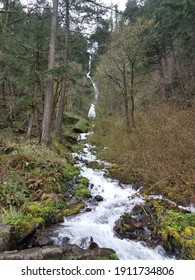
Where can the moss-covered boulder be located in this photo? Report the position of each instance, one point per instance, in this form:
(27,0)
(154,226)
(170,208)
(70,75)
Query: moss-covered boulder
(95,165)
(70,118)
(159,222)
(74,208)
(81,126)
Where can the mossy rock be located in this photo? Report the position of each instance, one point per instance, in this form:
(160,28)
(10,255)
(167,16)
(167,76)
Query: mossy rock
(95,165)
(69,172)
(70,118)
(84,181)
(47,210)
(82,191)
(74,209)
(72,139)
(77,147)
(81,126)
(178,233)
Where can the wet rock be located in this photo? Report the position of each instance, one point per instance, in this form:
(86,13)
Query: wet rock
(6,237)
(86,242)
(93,246)
(1,245)
(88,209)
(65,240)
(98,198)
(95,165)
(65,252)
(43,240)
(52,252)
(136,226)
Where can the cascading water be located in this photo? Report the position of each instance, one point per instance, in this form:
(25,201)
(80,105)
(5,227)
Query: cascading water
(97,225)
(91,112)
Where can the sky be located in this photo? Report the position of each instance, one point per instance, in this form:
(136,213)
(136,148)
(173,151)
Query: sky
(121,3)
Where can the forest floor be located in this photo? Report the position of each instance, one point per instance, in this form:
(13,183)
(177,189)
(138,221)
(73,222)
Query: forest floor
(38,185)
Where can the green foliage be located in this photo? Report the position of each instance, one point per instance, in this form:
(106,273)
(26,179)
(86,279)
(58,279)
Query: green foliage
(14,191)
(81,191)
(16,218)
(180,221)
(178,232)
(22,223)
(84,181)
(46,210)
(70,171)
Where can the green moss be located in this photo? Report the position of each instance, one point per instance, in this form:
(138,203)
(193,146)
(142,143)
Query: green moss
(82,192)
(114,256)
(44,210)
(178,232)
(95,165)
(84,181)
(70,118)
(70,171)
(23,224)
(75,209)
(77,147)
(38,220)
(81,126)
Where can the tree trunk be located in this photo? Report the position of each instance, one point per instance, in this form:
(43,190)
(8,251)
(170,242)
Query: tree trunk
(162,79)
(126,102)
(132,96)
(48,100)
(60,111)
(6,7)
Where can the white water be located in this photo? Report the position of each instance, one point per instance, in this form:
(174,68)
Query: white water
(91,112)
(99,223)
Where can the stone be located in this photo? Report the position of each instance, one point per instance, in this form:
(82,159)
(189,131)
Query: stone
(65,252)
(6,237)
(32,254)
(52,252)
(98,198)
(43,240)
(1,245)
(81,126)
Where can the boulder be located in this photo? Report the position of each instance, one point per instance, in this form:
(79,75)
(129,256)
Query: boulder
(6,237)
(65,252)
(81,126)
(98,198)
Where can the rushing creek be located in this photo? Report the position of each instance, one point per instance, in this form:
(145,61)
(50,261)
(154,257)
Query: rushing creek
(97,225)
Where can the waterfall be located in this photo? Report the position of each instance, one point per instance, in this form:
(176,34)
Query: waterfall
(91,112)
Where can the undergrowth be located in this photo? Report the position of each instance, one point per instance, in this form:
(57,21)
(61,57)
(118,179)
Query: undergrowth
(160,151)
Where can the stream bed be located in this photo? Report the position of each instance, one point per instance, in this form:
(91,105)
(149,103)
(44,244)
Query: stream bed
(97,224)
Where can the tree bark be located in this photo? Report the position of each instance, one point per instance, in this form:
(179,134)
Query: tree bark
(48,99)
(126,102)
(61,105)
(132,96)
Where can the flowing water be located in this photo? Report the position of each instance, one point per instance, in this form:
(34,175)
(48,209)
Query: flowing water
(97,225)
